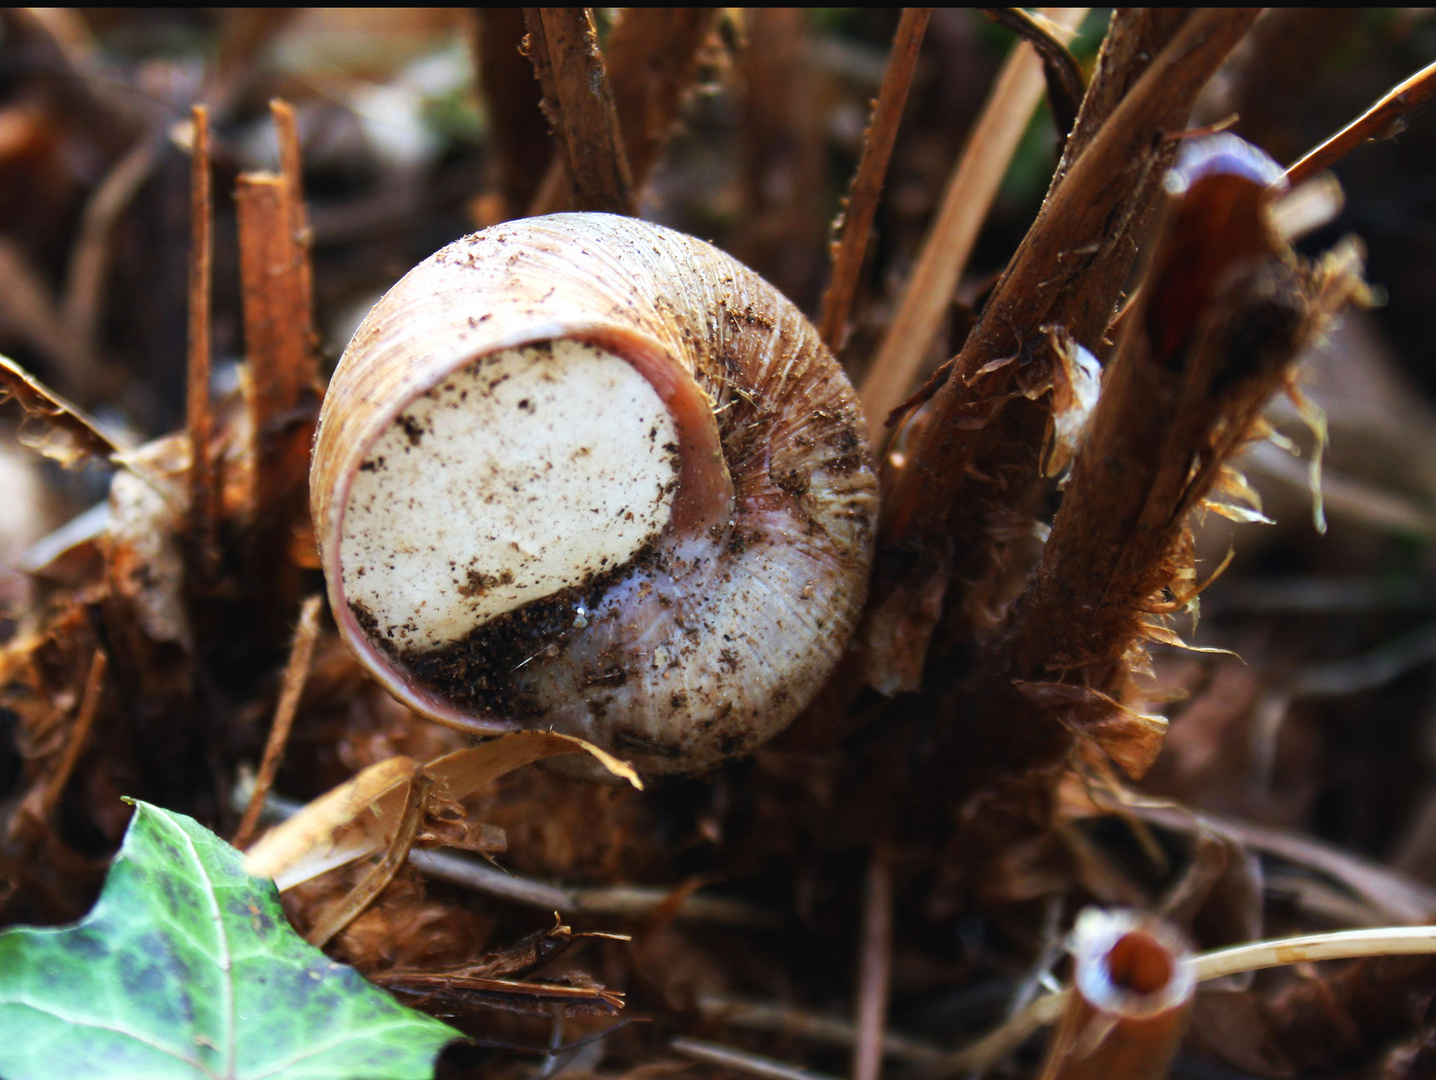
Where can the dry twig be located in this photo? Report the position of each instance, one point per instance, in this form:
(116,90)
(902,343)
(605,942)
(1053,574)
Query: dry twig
(875,959)
(855,224)
(949,242)
(1381,121)
(563,46)
(203,485)
(976,448)
(301,654)
(79,735)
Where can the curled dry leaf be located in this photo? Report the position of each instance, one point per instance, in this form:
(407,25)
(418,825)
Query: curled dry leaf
(148,502)
(66,434)
(359,817)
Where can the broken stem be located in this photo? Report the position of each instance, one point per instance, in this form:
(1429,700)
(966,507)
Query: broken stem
(301,654)
(1134,994)
(79,734)
(203,491)
(855,224)
(970,191)
(563,46)
(1377,122)
(1340,945)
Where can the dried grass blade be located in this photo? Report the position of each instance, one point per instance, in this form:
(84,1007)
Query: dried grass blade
(203,486)
(1380,121)
(856,222)
(348,908)
(358,817)
(949,242)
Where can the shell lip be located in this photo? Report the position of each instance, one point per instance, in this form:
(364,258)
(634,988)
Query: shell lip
(693,510)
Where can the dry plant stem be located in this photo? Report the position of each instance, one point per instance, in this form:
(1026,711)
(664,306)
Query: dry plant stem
(301,654)
(875,961)
(1397,897)
(652,61)
(652,57)
(978,445)
(79,734)
(856,222)
(291,167)
(1132,1003)
(522,148)
(1065,85)
(1376,123)
(279,336)
(1342,945)
(742,1061)
(203,486)
(1178,398)
(793,1022)
(90,263)
(563,46)
(621,901)
(347,909)
(949,242)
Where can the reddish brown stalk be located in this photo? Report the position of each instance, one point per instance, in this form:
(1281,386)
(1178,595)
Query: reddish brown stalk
(301,654)
(974,450)
(856,222)
(875,961)
(278,320)
(652,60)
(305,374)
(950,240)
(522,148)
(1134,986)
(1381,121)
(653,56)
(1221,318)
(1065,86)
(563,46)
(203,487)
(280,346)
(79,735)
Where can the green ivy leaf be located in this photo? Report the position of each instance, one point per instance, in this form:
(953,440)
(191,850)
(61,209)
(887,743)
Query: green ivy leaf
(186,968)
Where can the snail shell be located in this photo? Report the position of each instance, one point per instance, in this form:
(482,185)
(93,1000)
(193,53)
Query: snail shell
(588,474)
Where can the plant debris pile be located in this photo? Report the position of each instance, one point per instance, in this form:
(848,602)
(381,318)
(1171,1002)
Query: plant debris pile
(1137,303)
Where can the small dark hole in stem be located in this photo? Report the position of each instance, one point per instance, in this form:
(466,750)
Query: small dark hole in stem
(1139,963)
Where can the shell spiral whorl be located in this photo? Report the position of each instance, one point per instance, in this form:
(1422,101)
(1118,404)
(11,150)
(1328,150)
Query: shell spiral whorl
(585,473)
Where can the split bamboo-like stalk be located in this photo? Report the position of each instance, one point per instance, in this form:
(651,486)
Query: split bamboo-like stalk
(976,446)
(578,101)
(1134,988)
(856,221)
(203,487)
